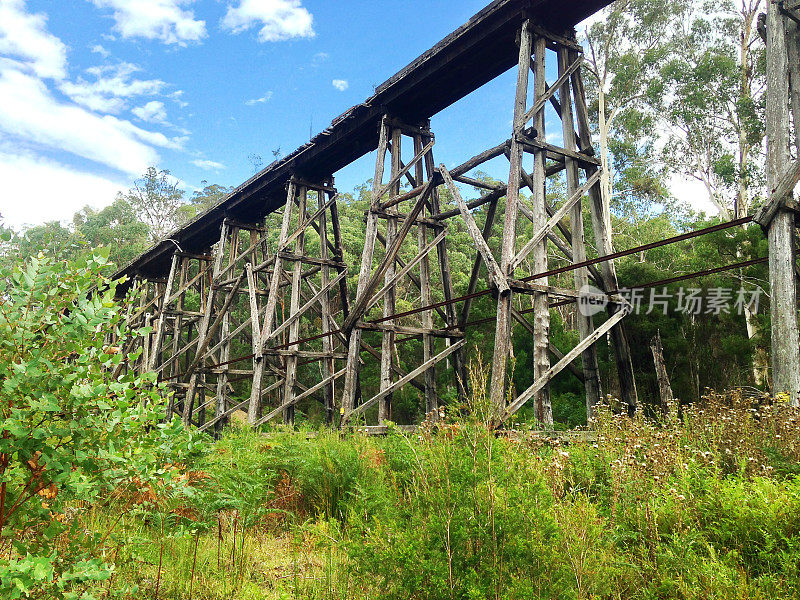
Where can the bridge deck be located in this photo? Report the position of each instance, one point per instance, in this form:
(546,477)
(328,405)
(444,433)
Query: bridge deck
(471,56)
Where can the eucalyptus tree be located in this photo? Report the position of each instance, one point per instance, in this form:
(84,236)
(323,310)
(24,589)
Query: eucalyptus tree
(713,105)
(116,227)
(713,108)
(158,202)
(626,49)
(678,90)
(211,195)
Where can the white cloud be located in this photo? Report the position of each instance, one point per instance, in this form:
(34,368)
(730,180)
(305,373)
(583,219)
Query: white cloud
(29,112)
(177,98)
(341,84)
(83,94)
(279,19)
(152,112)
(552,137)
(208,165)
(46,191)
(98,49)
(265,98)
(34,119)
(24,36)
(111,86)
(587,23)
(163,20)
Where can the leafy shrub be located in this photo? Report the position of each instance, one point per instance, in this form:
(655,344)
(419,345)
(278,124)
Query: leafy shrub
(679,509)
(243,475)
(327,470)
(688,508)
(470,517)
(71,432)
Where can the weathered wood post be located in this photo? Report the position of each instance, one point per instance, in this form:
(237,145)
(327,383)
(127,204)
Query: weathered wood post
(574,156)
(590,368)
(502,335)
(775,215)
(601,224)
(664,387)
(541,306)
(393,269)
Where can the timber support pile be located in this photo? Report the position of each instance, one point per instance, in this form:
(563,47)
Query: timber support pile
(778,216)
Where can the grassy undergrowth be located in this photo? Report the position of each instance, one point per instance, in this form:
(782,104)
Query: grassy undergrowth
(706,505)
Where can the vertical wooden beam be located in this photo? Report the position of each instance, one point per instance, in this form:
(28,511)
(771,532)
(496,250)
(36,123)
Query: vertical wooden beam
(328,364)
(225,348)
(208,294)
(601,224)
(431,403)
(502,337)
(294,306)
(541,308)
(144,362)
(793,52)
(255,328)
(591,371)
(388,339)
(664,388)
(254,409)
(142,287)
(782,253)
(370,237)
(177,334)
(344,297)
(155,353)
(459,363)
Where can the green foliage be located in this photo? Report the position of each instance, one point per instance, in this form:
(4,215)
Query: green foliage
(116,227)
(473,521)
(209,196)
(71,431)
(327,473)
(325,470)
(681,85)
(244,480)
(645,512)
(158,201)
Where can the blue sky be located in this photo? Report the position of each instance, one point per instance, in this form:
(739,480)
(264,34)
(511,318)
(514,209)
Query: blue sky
(94,91)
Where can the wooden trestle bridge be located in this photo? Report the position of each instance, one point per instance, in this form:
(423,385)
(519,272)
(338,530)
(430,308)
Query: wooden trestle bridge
(222,281)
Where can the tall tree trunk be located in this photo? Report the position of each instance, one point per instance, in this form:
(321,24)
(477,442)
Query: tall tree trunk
(750,10)
(604,126)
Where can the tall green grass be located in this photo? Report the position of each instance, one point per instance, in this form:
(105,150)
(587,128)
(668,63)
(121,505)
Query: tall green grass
(705,506)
